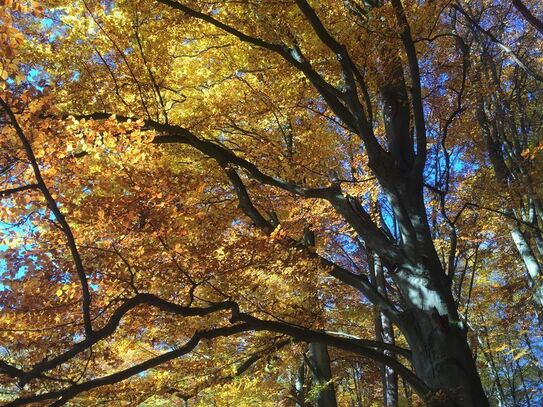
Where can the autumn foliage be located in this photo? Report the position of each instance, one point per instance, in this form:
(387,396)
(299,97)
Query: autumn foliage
(277,203)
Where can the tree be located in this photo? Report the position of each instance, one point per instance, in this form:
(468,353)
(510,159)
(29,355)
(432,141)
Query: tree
(198,185)
(509,129)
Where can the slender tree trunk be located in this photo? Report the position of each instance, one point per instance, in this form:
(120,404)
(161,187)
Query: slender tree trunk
(384,332)
(533,267)
(533,358)
(356,375)
(299,389)
(319,361)
(510,378)
(408,393)
(505,172)
(517,368)
(390,378)
(491,364)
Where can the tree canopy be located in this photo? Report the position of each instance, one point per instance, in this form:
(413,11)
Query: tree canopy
(271,202)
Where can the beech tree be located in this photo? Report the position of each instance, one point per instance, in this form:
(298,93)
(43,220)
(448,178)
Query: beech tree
(281,202)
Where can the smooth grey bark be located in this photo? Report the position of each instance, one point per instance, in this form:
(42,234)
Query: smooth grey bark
(442,358)
(533,268)
(430,320)
(508,170)
(390,378)
(319,363)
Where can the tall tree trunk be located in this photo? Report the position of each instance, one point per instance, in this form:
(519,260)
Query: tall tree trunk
(492,368)
(430,321)
(299,389)
(508,170)
(390,378)
(319,362)
(442,358)
(319,359)
(533,268)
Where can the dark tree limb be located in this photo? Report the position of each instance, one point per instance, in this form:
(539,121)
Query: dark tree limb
(52,204)
(351,75)
(512,54)
(69,393)
(110,327)
(357,281)
(528,15)
(10,191)
(242,323)
(173,134)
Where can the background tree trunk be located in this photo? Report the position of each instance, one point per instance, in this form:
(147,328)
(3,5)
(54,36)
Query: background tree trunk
(319,363)
(384,332)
